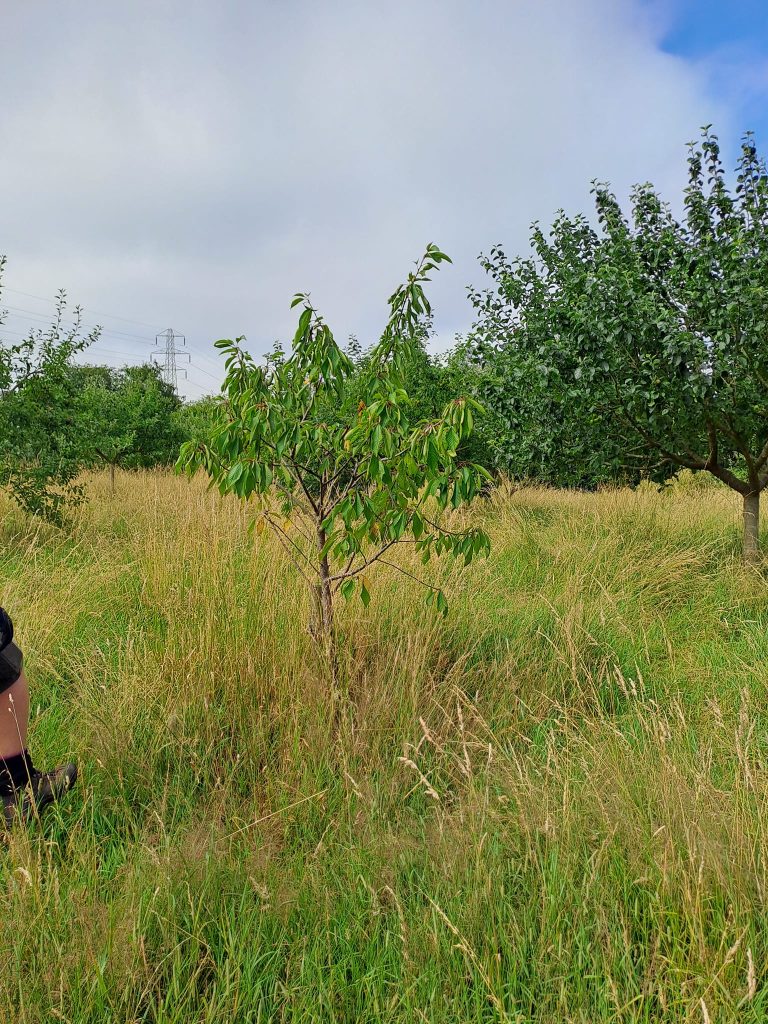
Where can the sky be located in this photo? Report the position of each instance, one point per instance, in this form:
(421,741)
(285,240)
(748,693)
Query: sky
(189,164)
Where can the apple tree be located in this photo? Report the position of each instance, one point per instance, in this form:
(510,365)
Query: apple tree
(648,335)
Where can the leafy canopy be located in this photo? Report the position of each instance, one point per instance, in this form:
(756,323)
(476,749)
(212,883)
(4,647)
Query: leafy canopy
(650,334)
(129,416)
(41,450)
(348,483)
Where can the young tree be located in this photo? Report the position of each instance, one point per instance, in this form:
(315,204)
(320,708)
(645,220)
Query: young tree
(341,488)
(653,333)
(40,430)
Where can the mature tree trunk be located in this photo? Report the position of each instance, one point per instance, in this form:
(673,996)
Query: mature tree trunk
(112,477)
(752,527)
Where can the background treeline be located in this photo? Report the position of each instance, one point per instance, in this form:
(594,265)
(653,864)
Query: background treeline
(623,347)
(59,416)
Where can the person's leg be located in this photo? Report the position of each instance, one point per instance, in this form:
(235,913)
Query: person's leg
(24,791)
(16,767)
(14,718)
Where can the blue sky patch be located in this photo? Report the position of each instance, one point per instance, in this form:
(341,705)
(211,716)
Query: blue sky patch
(729,39)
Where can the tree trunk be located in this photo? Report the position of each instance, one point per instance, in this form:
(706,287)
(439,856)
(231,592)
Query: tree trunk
(112,477)
(322,624)
(752,528)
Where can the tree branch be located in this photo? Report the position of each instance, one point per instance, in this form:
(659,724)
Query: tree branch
(282,534)
(405,572)
(692,462)
(369,561)
(762,457)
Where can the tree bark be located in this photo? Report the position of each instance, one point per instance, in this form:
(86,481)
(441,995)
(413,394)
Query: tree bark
(324,599)
(112,477)
(322,625)
(752,527)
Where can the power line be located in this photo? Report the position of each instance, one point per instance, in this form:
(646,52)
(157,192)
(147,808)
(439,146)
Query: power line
(199,387)
(115,352)
(169,370)
(6,330)
(95,312)
(121,352)
(35,317)
(193,368)
(203,370)
(105,334)
(33,314)
(39,322)
(41,317)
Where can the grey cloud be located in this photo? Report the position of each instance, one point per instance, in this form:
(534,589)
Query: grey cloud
(195,164)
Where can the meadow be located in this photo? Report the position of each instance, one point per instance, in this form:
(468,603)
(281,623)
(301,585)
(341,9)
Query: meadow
(549,806)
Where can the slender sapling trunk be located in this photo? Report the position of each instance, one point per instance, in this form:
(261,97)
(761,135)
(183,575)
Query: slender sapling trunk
(751,512)
(322,625)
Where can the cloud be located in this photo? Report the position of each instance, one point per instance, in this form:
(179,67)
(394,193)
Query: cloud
(192,164)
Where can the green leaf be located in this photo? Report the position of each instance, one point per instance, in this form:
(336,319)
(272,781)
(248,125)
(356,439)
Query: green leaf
(304,321)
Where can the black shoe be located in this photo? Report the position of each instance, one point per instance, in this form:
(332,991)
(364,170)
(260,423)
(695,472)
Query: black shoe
(43,788)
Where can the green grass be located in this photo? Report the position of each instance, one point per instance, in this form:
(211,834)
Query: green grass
(549,806)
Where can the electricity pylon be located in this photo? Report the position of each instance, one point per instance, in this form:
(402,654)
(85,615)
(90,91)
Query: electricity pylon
(170,371)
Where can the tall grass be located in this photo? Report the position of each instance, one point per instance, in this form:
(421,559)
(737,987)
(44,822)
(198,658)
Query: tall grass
(550,806)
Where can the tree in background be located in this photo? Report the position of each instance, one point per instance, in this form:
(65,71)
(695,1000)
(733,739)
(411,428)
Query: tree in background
(40,428)
(196,420)
(129,417)
(342,486)
(430,381)
(645,343)
(532,429)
